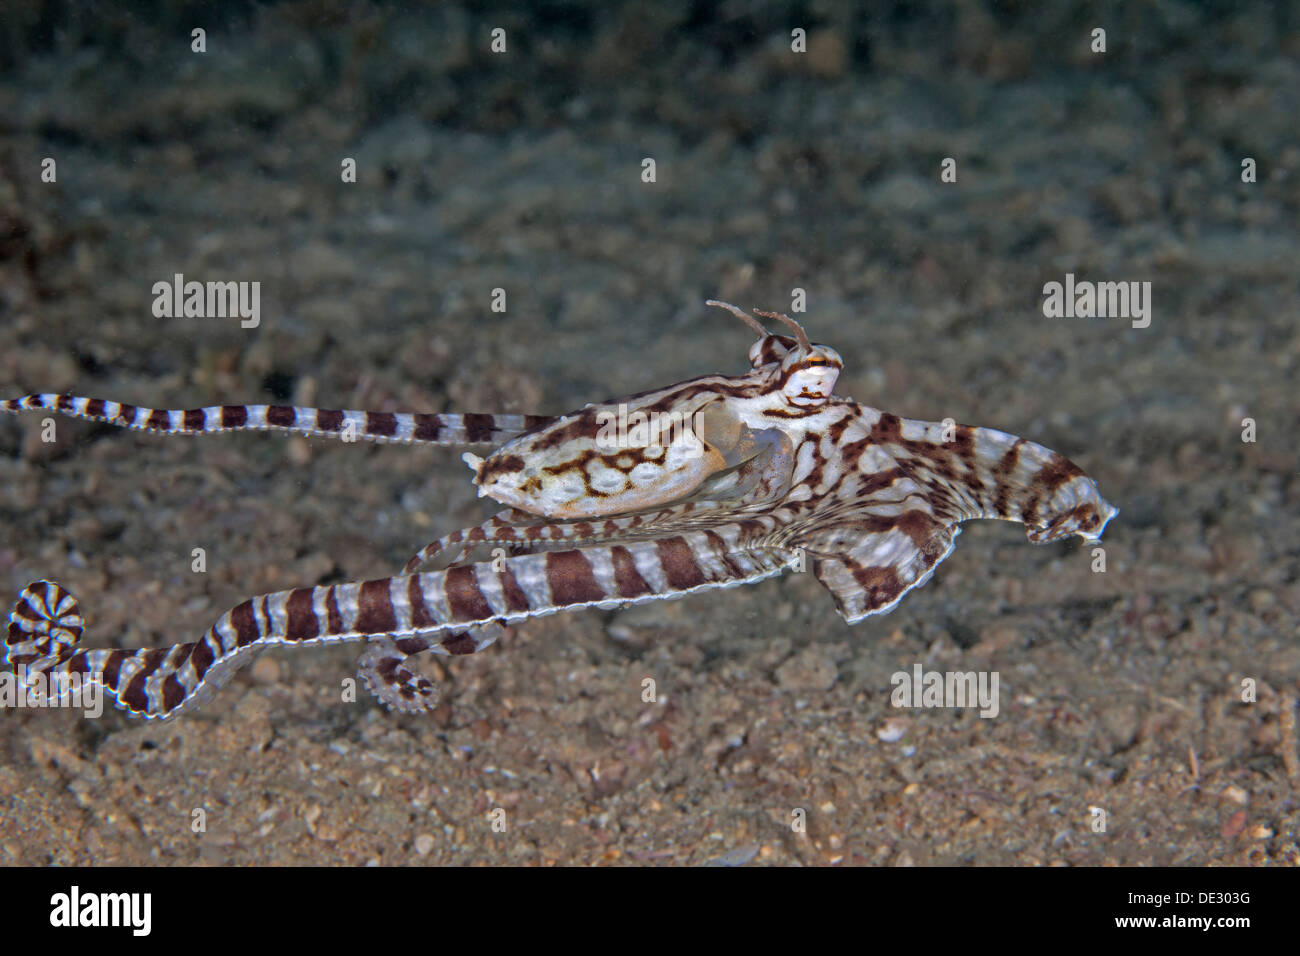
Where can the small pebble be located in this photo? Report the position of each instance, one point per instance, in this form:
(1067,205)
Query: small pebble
(893,729)
(1236,794)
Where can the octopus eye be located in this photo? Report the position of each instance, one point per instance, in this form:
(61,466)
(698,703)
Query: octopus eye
(817,360)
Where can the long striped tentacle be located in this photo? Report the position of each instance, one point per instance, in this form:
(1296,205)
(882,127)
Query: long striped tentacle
(512,530)
(451,546)
(456,611)
(408,427)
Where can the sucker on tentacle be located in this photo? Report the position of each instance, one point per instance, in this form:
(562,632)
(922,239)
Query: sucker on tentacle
(606,506)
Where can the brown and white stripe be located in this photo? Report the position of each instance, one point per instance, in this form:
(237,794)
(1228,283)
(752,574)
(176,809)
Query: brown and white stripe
(455,611)
(520,533)
(407,427)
